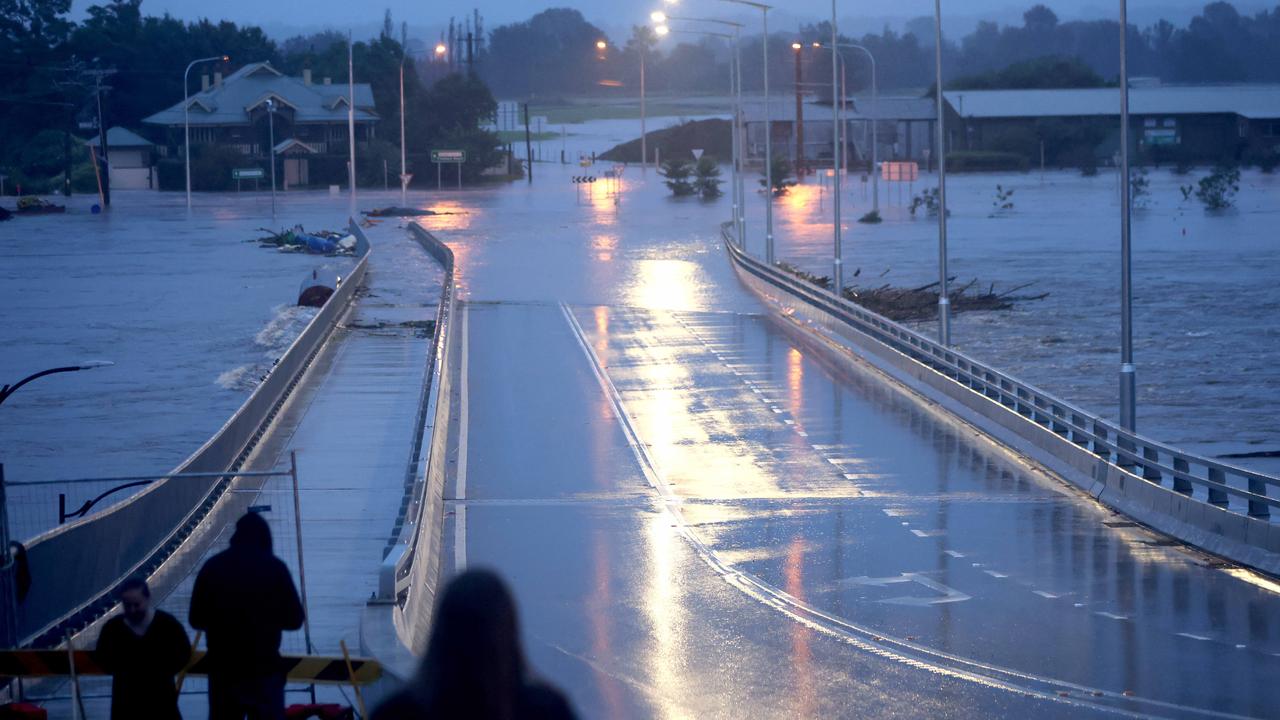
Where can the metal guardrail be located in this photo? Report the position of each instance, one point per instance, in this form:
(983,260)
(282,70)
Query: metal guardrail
(76,567)
(1227,486)
(415,557)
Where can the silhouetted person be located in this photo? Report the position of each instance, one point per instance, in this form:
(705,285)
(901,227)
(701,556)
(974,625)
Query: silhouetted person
(21,569)
(474,667)
(142,649)
(243,599)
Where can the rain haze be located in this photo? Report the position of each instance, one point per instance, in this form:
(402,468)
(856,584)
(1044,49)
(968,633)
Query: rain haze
(511,359)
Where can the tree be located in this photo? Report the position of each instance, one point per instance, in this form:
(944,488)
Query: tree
(708,178)
(782,180)
(677,173)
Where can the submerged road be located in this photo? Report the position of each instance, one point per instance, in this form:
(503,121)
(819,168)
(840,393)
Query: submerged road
(702,514)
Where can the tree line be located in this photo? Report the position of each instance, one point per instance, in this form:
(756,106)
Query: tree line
(555,53)
(49,67)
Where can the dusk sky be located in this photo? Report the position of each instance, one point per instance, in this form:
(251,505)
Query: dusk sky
(617,16)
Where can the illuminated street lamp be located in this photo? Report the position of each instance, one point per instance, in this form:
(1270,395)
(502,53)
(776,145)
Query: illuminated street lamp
(441,50)
(735,90)
(186,117)
(768,123)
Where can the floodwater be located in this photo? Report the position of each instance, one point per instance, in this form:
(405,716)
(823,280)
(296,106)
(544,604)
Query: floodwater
(191,314)
(1206,342)
(700,513)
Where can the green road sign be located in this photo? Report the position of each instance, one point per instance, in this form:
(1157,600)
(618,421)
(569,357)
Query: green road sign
(448,156)
(247,174)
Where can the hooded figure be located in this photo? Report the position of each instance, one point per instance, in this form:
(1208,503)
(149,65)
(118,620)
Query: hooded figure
(243,599)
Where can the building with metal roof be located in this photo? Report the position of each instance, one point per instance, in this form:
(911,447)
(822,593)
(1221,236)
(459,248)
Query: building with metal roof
(1231,123)
(905,127)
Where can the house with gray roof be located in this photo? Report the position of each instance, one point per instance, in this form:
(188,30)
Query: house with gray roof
(310,118)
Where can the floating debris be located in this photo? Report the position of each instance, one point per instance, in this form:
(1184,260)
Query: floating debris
(298,240)
(396,211)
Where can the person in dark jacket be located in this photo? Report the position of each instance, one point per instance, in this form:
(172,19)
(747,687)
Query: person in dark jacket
(243,599)
(474,667)
(142,649)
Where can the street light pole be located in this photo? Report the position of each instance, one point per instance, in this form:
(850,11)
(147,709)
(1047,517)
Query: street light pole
(8,390)
(186,119)
(404,183)
(944,302)
(8,585)
(837,277)
(271,130)
(644,140)
(1128,374)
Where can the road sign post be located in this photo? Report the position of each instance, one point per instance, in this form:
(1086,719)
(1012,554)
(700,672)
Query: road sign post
(442,157)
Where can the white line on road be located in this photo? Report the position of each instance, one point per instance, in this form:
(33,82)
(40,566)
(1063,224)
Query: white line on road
(464,416)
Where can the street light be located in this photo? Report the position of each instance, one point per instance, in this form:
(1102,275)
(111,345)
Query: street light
(875,127)
(735,91)
(944,302)
(739,191)
(1128,374)
(768,124)
(8,590)
(271,126)
(8,390)
(186,117)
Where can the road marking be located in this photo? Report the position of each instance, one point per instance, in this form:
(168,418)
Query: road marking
(906,652)
(946,594)
(1046,595)
(994,574)
(953,553)
(1111,615)
(927,533)
(1192,636)
(464,417)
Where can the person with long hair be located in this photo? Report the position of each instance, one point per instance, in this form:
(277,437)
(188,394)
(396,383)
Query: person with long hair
(474,666)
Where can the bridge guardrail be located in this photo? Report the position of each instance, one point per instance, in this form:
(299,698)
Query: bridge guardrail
(414,560)
(76,567)
(1243,492)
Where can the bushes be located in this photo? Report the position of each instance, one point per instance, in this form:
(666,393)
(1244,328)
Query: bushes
(982,161)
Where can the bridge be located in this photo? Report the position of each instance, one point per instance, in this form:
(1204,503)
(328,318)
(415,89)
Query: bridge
(713,487)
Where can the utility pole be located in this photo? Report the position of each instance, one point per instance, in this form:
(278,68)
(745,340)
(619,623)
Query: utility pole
(528,145)
(99,88)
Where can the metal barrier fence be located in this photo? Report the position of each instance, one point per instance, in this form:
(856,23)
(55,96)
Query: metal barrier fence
(412,567)
(75,568)
(1225,486)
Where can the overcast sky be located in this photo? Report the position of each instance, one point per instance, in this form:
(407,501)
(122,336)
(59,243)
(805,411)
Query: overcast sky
(616,16)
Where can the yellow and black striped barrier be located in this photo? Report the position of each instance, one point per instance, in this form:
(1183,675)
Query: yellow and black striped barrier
(318,669)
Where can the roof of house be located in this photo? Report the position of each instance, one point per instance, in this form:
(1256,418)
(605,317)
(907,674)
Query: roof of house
(251,85)
(118,137)
(1248,101)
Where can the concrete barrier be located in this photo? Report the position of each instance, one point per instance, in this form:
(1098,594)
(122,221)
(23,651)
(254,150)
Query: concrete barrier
(76,568)
(397,623)
(1022,418)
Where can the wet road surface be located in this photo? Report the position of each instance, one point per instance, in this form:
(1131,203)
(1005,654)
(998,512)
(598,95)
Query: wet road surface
(702,512)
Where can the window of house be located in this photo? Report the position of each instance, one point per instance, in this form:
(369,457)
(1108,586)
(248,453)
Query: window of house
(1149,122)
(1169,122)
(1271,129)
